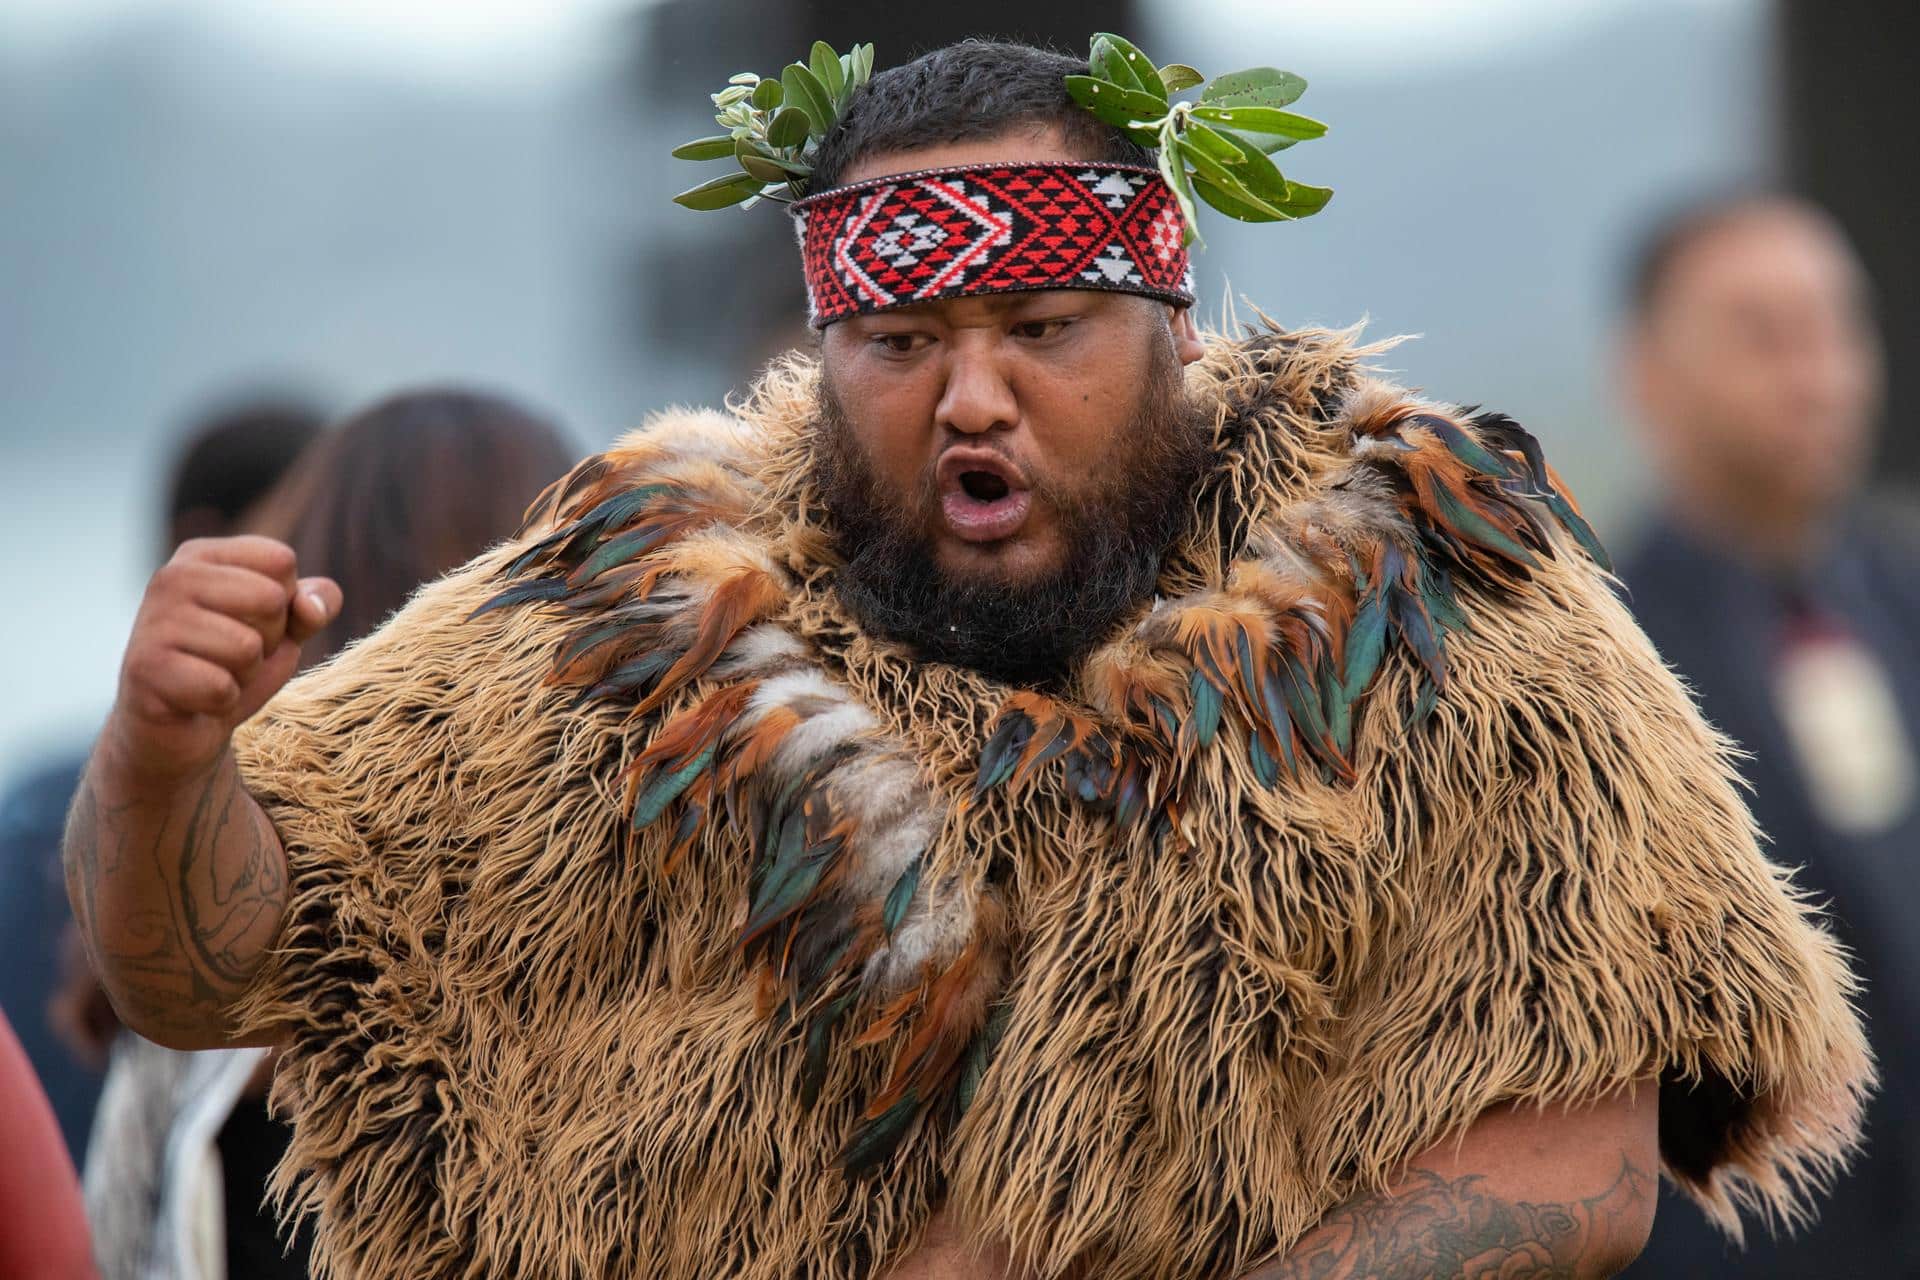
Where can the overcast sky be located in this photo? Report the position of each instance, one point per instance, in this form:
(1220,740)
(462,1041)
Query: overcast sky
(495,38)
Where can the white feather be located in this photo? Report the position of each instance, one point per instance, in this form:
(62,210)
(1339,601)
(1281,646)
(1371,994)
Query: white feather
(885,851)
(759,649)
(829,715)
(818,734)
(936,928)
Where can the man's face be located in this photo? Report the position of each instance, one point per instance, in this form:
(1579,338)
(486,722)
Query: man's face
(1757,362)
(1007,465)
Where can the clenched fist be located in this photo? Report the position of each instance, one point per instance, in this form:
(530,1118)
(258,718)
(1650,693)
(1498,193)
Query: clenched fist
(218,633)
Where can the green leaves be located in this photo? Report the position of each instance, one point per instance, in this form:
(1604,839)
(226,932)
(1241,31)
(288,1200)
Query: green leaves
(1222,165)
(1304,201)
(790,128)
(1117,105)
(804,90)
(1216,149)
(766,164)
(1178,75)
(827,69)
(1174,170)
(774,127)
(715,148)
(721,192)
(1262,120)
(1257,87)
(1110,51)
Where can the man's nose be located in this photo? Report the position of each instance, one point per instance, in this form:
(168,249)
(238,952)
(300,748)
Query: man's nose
(978,397)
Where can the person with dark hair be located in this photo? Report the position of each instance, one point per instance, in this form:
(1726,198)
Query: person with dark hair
(1791,603)
(405,490)
(1034,790)
(396,495)
(222,462)
(233,455)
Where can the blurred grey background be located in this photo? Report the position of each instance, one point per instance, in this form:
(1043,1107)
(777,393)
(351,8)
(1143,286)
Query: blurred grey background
(204,198)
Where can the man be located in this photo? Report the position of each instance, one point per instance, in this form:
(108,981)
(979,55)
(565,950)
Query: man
(1794,609)
(995,806)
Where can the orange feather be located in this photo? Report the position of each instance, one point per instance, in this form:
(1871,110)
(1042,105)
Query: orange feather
(744,597)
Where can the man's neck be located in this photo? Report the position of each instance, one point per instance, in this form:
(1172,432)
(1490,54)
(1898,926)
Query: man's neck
(1774,537)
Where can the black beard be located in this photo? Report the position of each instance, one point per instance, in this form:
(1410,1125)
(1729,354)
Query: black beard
(1116,536)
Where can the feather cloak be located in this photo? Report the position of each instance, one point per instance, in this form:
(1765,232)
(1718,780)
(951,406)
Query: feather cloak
(651,919)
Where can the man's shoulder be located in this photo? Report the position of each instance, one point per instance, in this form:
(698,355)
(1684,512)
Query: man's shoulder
(1396,552)
(1890,525)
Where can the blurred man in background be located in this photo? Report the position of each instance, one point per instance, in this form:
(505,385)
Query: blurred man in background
(225,460)
(1793,607)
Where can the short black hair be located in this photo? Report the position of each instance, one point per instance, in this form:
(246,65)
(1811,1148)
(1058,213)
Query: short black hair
(973,89)
(231,455)
(1676,229)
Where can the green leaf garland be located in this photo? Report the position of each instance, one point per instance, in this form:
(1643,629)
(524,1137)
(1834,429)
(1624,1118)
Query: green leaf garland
(774,126)
(1217,149)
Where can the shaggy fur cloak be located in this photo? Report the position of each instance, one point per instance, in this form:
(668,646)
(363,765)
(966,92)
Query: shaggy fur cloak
(650,919)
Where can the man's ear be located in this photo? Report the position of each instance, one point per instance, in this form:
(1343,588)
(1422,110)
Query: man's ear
(1186,335)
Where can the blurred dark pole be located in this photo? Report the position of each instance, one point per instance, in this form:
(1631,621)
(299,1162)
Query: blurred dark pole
(1848,111)
(690,47)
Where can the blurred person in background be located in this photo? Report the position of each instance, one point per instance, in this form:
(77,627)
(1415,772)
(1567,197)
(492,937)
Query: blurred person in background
(393,497)
(1791,603)
(43,1225)
(223,463)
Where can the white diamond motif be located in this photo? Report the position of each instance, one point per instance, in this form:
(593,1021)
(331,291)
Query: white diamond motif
(907,239)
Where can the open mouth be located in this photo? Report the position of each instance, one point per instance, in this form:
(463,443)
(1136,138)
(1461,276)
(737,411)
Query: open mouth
(984,486)
(983,496)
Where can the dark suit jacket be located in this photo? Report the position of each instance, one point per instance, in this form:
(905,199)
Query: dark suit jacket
(1718,621)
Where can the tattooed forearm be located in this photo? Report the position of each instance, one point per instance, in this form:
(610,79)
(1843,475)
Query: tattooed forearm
(231,884)
(177,899)
(1433,1228)
(80,849)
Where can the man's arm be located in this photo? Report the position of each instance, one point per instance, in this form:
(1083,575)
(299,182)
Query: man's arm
(176,876)
(1561,1193)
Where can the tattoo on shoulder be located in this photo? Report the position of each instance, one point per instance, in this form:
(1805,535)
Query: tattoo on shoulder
(94,844)
(226,902)
(1436,1228)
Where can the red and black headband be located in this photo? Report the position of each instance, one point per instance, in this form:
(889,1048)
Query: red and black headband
(918,237)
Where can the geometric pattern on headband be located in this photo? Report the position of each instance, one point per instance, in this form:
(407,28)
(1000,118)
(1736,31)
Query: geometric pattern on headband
(1002,228)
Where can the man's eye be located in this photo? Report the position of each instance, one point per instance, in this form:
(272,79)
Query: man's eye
(900,344)
(1039,330)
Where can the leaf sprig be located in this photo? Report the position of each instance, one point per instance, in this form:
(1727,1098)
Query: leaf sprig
(1216,148)
(773,128)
